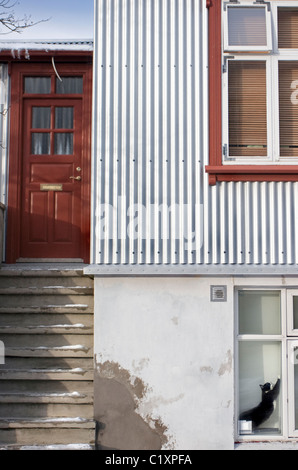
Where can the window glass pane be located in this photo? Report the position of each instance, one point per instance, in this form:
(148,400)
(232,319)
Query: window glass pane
(295,312)
(41,118)
(247,26)
(37,85)
(64,118)
(288,28)
(64,144)
(288,108)
(296,385)
(41,143)
(69,85)
(259,312)
(247,108)
(259,387)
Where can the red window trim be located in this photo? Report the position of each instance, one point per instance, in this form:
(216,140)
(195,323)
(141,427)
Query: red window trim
(216,170)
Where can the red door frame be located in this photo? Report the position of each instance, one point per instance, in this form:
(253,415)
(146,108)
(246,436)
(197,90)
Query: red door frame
(66,65)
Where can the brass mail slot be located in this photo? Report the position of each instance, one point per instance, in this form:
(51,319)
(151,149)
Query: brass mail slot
(51,187)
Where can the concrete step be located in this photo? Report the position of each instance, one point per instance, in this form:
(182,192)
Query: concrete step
(37,436)
(46,383)
(43,411)
(41,270)
(47,391)
(30,324)
(73,397)
(62,422)
(77,373)
(64,447)
(48,345)
(41,281)
(45,301)
(46,290)
(50,368)
(52,309)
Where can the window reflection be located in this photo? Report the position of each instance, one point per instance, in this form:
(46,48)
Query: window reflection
(259,312)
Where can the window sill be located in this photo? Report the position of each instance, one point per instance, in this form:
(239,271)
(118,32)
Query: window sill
(279,445)
(251,173)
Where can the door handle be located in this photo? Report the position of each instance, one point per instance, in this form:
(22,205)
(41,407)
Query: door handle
(77,178)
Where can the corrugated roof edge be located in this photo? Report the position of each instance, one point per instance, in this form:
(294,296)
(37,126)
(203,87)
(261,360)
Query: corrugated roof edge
(16,46)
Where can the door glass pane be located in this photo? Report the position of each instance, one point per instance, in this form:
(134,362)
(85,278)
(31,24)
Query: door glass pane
(41,143)
(69,85)
(64,118)
(37,85)
(259,312)
(247,26)
(41,117)
(64,144)
(260,406)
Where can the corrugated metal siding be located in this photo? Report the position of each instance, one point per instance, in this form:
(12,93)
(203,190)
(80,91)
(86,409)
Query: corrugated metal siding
(150,150)
(4,122)
(252,223)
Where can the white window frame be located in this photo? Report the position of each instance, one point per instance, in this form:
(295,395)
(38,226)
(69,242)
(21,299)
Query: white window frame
(292,343)
(291,331)
(272,83)
(270,110)
(288,338)
(230,48)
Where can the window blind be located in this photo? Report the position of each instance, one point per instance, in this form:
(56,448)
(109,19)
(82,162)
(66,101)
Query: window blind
(288,28)
(288,108)
(247,108)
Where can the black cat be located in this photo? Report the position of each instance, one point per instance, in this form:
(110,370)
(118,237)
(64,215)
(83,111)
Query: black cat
(264,410)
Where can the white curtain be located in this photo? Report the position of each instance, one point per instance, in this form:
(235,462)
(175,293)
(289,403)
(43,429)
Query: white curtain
(69,85)
(38,85)
(63,141)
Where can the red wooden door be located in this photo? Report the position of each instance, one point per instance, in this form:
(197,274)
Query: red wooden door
(52,178)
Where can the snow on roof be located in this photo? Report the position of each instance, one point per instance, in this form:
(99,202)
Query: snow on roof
(18,47)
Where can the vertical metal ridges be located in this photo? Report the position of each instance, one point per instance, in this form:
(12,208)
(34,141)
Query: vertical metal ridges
(4,121)
(152,201)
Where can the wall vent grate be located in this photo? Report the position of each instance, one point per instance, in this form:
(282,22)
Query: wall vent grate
(218,293)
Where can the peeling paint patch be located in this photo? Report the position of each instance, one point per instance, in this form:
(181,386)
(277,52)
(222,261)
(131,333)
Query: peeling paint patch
(117,396)
(206,369)
(110,370)
(226,367)
(140,365)
(147,408)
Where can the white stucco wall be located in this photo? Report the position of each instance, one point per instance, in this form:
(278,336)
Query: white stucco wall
(167,334)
